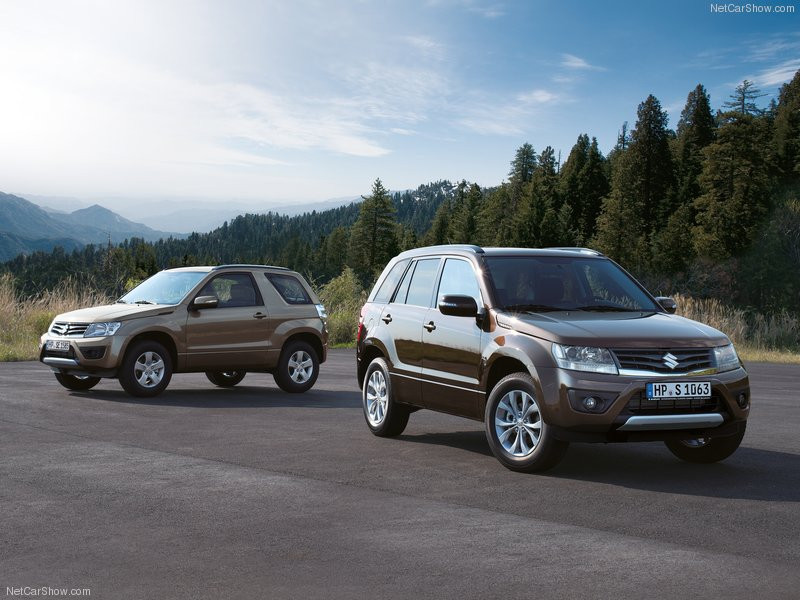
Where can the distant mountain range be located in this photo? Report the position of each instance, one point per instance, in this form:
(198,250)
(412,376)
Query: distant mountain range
(183,215)
(26,227)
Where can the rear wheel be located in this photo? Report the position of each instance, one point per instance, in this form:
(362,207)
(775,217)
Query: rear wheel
(515,428)
(146,369)
(706,449)
(78,383)
(298,368)
(385,417)
(225,378)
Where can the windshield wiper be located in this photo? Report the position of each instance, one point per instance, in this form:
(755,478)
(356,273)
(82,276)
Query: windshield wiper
(142,302)
(532,307)
(607,308)
(119,301)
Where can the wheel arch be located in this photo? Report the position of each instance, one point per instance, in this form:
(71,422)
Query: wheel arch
(162,338)
(369,353)
(311,339)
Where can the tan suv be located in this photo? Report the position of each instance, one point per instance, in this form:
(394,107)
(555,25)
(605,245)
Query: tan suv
(223,321)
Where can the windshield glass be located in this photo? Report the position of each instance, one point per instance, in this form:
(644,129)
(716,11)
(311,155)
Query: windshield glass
(548,283)
(166,287)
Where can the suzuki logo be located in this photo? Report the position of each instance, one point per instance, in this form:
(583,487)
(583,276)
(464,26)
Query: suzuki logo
(670,360)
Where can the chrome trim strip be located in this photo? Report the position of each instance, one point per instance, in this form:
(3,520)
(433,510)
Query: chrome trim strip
(674,375)
(654,422)
(437,383)
(55,361)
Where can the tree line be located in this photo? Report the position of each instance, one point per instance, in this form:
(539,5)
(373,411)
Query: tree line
(710,208)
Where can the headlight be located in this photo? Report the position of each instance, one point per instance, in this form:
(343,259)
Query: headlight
(101,329)
(726,358)
(584,358)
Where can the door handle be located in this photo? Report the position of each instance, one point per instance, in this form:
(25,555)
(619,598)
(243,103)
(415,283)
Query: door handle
(259,315)
(386,319)
(430,326)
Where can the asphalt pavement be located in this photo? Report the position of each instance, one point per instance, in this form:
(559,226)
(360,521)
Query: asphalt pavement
(249,492)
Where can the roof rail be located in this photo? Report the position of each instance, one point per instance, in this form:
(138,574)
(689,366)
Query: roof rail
(246,266)
(445,247)
(591,251)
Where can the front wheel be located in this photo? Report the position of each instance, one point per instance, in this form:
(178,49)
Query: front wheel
(225,378)
(515,428)
(298,368)
(146,369)
(385,417)
(78,383)
(706,449)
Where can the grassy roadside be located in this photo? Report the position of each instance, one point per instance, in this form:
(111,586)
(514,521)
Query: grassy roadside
(758,338)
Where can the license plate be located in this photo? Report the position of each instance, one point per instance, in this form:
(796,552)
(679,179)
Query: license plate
(57,345)
(691,389)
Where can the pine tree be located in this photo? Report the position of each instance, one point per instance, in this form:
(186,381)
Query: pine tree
(787,131)
(743,99)
(519,177)
(695,131)
(536,222)
(736,187)
(649,176)
(439,233)
(463,225)
(373,238)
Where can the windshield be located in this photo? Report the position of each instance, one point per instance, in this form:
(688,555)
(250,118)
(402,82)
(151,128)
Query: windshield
(548,283)
(166,287)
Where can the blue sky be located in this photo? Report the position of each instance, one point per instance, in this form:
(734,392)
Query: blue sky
(276,102)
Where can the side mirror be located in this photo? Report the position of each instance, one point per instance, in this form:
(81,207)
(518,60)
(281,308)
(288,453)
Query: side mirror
(204,302)
(458,306)
(668,304)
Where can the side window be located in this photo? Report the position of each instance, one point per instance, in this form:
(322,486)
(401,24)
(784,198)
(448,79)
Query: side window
(421,287)
(233,289)
(458,277)
(402,291)
(384,293)
(290,289)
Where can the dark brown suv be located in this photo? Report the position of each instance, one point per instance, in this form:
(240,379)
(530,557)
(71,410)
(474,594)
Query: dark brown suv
(545,347)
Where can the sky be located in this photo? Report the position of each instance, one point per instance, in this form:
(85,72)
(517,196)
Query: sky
(276,102)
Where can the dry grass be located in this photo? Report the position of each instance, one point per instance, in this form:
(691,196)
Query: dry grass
(769,338)
(22,321)
(758,337)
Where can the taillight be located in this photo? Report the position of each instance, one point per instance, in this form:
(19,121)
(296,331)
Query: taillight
(360,332)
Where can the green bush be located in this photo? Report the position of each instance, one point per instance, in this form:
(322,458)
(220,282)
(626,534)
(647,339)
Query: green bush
(343,298)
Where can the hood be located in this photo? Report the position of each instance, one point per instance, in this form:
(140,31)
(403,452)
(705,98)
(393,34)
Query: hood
(114,312)
(615,330)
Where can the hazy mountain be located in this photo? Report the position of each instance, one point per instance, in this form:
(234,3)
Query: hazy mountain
(26,227)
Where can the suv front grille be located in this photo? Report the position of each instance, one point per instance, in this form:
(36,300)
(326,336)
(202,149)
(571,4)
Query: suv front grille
(639,405)
(658,360)
(68,329)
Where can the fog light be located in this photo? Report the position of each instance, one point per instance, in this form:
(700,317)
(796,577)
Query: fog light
(742,400)
(590,403)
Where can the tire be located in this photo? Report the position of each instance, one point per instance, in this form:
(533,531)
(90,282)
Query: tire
(384,416)
(298,368)
(146,369)
(225,379)
(512,419)
(76,383)
(706,450)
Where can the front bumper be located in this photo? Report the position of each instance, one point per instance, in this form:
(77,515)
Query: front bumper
(625,414)
(94,356)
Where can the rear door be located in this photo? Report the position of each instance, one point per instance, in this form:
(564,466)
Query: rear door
(235,333)
(403,318)
(452,346)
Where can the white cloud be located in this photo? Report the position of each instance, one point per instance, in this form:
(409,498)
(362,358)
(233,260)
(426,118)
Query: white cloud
(498,116)
(778,74)
(570,61)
